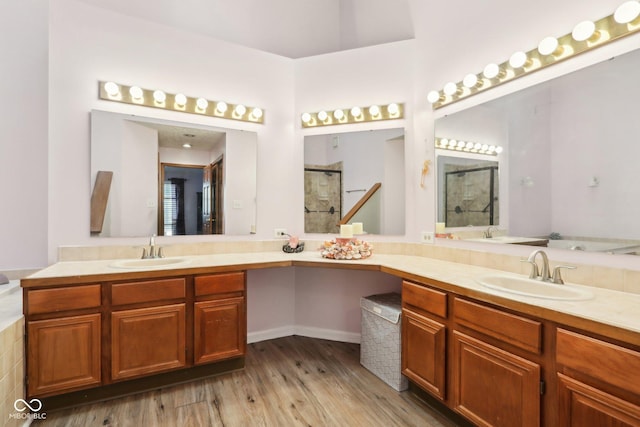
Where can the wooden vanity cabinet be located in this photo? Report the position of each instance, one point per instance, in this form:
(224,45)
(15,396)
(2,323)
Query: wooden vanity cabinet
(598,382)
(481,362)
(491,384)
(63,339)
(220,319)
(424,337)
(115,334)
(149,337)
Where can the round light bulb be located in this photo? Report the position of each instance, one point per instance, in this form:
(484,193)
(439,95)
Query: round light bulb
(393,109)
(518,59)
(583,31)
(433,96)
(256,113)
(374,111)
(491,71)
(180,100)
(627,12)
(470,80)
(221,107)
(135,92)
(484,147)
(444,142)
(477,146)
(461,144)
(356,111)
(202,103)
(159,96)
(240,110)
(450,88)
(111,88)
(306,117)
(492,148)
(498,149)
(338,114)
(469,145)
(322,116)
(547,45)
(452,143)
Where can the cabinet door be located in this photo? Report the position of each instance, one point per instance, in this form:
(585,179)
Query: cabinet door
(63,354)
(147,340)
(583,405)
(492,387)
(423,352)
(219,329)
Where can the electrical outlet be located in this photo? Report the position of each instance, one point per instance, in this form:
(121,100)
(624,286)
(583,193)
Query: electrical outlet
(280,232)
(427,237)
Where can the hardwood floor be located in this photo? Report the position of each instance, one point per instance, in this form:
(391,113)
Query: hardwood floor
(292,381)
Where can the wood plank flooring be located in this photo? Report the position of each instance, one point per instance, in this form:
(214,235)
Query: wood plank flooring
(292,381)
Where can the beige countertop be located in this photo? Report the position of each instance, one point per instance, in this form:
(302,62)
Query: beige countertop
(610,313)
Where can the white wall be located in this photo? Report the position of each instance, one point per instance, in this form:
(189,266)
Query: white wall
(374,75)
(23,134)
(327,301)
(88,44)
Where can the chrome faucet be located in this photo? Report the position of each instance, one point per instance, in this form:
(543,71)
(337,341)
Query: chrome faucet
(152,250)
(543,274)
(489,233)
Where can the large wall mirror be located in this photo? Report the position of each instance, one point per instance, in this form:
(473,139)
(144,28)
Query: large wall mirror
(569,166)
(355,177)
(173,178)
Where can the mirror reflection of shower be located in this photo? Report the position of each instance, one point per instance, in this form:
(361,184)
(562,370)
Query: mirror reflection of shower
(322,198)
(355,177)
(470,190)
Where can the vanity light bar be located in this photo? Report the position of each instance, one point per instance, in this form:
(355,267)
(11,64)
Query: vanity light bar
(585,36)
(110,91)
(343,116)
(467,146)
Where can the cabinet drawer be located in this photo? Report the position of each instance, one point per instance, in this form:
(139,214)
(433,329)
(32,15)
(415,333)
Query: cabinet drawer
(148,291)
(219,283)
(515,330)
(600,360)
(429,300)
(62,299)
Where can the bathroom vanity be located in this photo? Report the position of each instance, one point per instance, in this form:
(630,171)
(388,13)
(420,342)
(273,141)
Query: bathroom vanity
(95,331)
(103,333)
(496,366)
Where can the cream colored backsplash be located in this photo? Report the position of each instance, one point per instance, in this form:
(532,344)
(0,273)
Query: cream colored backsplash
(590,275)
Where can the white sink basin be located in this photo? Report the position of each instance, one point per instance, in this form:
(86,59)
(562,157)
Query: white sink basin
(134,264)
(535,288)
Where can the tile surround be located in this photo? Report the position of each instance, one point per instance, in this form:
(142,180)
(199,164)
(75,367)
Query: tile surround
(11,371)
(590,275)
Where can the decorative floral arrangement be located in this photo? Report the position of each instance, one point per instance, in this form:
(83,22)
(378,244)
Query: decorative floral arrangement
(294,245)
(345,248)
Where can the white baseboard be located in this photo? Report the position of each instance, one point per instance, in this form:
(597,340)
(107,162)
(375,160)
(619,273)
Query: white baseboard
(304,331)
(328,334)
(270,334)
